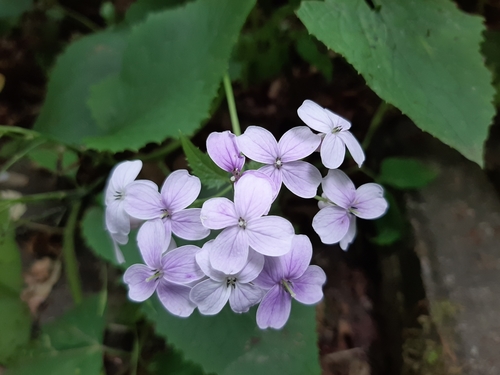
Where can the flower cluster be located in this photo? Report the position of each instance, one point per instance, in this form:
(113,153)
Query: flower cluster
(256,258)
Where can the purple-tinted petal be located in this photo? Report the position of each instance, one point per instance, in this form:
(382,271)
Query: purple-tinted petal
(203,260)
(119,238)
(152,242)
(223,150)
(369,202)
(121,175)
(252,268)
(337,122)
(218,213)
(210,296)
(143,201)
(187,224)
(353,146)
(331,224)
(171,246)
(297,143)
(315,116)
(229,251)
(273,272)
(118,253)
(338,188)
(308,288)
(175,298)
(117,220)
(332,151)
(136,277)
(270,235)
(351,233)
(258,144)
(245,296)
(253,196)
(297,260)
(275,177)
(179,265)
(274,310)
(301,178)
(179,190)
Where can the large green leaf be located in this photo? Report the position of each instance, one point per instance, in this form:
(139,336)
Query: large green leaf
(422,56)
(171,70)
(405,173)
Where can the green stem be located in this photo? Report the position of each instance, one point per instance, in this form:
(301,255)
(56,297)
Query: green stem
(79,18)
(70,262)
(231,104)
(375,123)
(14,159)
(368,172)
(52,195)
(30,134)
(163,151)
(321,199)
(199,202)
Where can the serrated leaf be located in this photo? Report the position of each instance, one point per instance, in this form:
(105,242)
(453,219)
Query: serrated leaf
(428,66)
(203,167)
(405,173)
(172,68)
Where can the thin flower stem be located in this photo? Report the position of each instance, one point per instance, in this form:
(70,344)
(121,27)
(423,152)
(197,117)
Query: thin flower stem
(16,157)
(231,104)
(70,262)
(368,172)
(79,18)
(29,134)
(52,195)
(375,123)
(321,199)
(161,152)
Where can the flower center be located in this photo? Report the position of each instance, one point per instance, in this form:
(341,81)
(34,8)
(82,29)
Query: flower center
(288,287)
(231,281)
(353,210)
(336,129)
(165,213)
(119,195)
(242,223)
(278,163)
(236,175)
(156,275)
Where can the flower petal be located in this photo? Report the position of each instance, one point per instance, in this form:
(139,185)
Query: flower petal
(230,251)
(152,242)
(274,310)
(337,121)
(143,201)
(270,235)
(203,260)
(180,265)
(308,288)
(258,144)
(245,296)
(136,277)
(118,252)
(331,224)
(187,224)
(353,146)
(179,190)
(297,143)
(297,260)
(253,196)
(338,188)
(210,296)
(223,150)
(121,175)
(218,213)
(369,202)
(273,272)
(275,178)
(315,116)
(350,235)
(175,298)
(117,220)
(332,151)
(252,268)
(301,178)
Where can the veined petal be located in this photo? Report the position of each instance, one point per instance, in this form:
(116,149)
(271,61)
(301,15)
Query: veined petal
(350,235)
(337,121)
(121,175)
(218,213)
(180,267)
(301,178)
(143,201)
(119,238)
(270,235)
(332,151)
(175,298)
(179,190)
(298,143)
(229,251)
(253,196)
(223,150)
(274,310)
(331,224)
(297,260)
(258,144)
(210,296)
(353,146)
(117,220)
(308,288)
(252,268)
(315,117)
(152,242)
(187,224)
(136,277)
(275,177)
(369,202)
(203,260)
(273,272)
(245,296)
(338,188)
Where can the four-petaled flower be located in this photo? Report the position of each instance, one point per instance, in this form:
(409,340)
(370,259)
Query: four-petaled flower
(336,220)
(337,134)
(223,150)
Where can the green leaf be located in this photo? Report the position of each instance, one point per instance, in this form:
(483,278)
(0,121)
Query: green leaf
(139,10)
(14,8)
(405,173)
(172,68)
(70,345)
(173,363)
(53,157)
(428,66)
(308,50)
(203,167)
(391,226)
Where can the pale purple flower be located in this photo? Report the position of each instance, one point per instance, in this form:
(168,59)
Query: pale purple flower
(223,150)
(337,135)
(164,274)
(179,190)
(336,220)
(244,226)
(286,277)
(211,295)
(282,158)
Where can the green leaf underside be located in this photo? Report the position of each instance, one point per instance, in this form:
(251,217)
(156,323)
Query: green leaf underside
(203,167)
(405,173)
(422,56)
(171,71)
